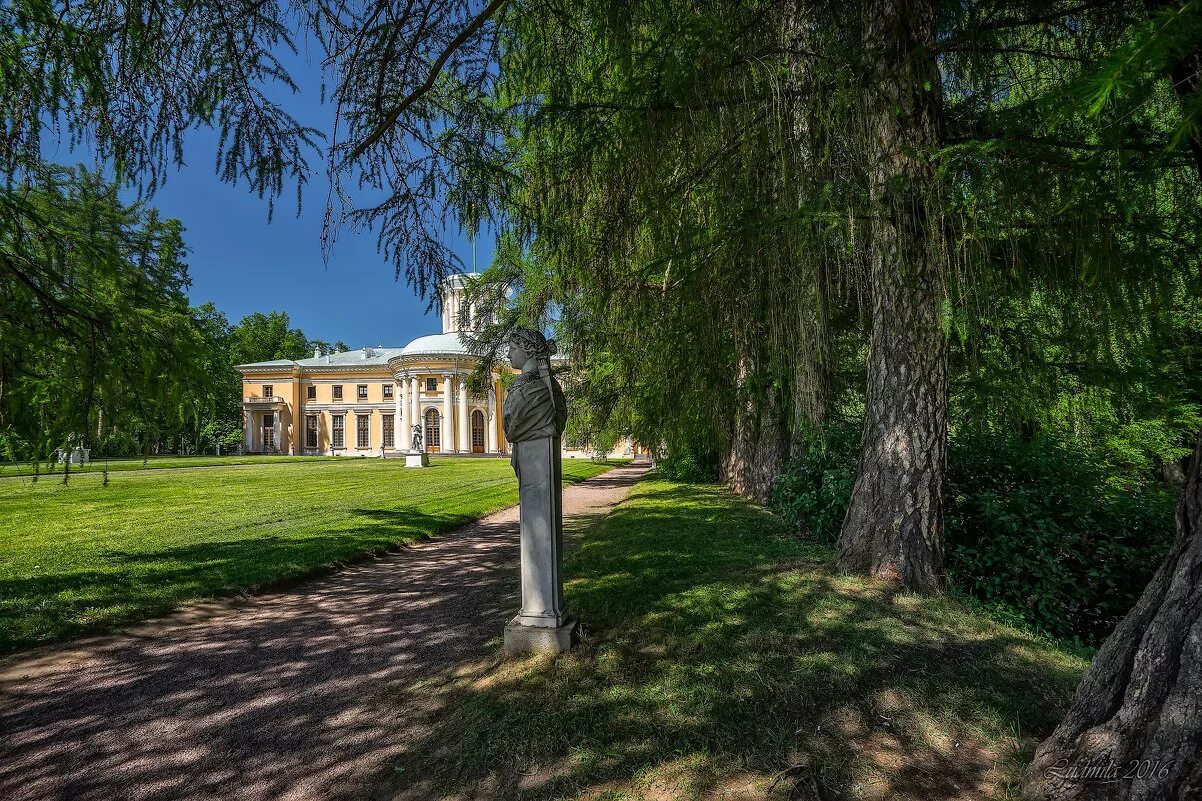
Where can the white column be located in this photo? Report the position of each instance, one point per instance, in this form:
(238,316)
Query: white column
(448,446)
(400,435)
(247,431)
(498,425)
(277,427)
(415,408)
(492,420)
(465,432)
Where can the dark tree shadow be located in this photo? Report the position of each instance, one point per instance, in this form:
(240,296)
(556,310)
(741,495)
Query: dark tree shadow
(720,657)
(152,583)
(302,693)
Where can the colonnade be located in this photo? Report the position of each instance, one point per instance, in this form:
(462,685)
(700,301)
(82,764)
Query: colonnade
(252,429)
(455,434)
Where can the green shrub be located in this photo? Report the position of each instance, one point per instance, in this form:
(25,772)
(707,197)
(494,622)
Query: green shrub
(1039,527)
(689,464)
(116,444)
(813,493)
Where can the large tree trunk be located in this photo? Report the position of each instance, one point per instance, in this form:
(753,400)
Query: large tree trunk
(759,438)
(894,525)
(1134,730)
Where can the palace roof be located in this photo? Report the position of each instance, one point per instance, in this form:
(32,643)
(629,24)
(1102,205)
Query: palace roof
(448,344)
(348,358)
(437,344)
(431,345)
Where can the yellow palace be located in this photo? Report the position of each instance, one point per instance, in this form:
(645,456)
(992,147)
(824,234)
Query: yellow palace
(366,402)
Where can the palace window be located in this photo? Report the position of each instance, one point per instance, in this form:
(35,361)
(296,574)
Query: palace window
(431,385)
(338,392)
(389,421)
(362,421)
(387,391)
(311,392)
(267,391)
(477,431)
(337,432)
(268,431)
(433,431)
(310,431)
(362,390)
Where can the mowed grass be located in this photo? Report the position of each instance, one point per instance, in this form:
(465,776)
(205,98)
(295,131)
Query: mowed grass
(724,659)
(148,463)
(84,557)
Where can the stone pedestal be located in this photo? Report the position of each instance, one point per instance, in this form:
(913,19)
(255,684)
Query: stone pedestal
(77,455)
(417,460)
(542,624)
(521,640)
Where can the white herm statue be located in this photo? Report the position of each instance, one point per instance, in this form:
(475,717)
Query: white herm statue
(534,414)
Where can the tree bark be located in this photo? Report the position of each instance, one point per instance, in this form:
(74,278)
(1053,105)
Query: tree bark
(894,524)
(1134,730)
(759,438)
(811,385)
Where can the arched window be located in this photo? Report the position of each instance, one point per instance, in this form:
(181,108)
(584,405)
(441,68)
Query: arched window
(477,431)
(433,432)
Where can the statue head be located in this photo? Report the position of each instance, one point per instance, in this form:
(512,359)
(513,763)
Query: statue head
(526,344)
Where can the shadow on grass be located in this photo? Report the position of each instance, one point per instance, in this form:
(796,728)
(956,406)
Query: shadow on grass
(722,659)
(287,697)
(121,586)
(143,584)
(719,656)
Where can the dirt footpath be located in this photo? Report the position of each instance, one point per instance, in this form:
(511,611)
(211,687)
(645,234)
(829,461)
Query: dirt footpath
(283,696)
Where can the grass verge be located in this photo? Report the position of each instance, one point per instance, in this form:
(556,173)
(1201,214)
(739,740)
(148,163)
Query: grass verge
(84,557)
(724,659)
(54,470)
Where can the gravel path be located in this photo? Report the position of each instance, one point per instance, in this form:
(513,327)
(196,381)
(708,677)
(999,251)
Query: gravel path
(291,695)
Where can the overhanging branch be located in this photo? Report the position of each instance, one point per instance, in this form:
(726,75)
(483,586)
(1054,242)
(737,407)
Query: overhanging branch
(435,69)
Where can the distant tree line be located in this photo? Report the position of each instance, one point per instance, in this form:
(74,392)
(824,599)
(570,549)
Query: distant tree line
(101,346)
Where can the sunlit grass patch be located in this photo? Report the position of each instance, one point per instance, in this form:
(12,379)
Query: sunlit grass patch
(54,470)
(724,659)
(85,556)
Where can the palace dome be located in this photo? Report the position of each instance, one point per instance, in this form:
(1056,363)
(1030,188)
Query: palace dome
(437,344)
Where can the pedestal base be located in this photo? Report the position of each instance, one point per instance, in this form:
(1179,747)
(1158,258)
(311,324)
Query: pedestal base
(417,460)
(521,640)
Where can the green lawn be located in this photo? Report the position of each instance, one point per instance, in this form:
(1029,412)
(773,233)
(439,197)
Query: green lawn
(8,469)
(721,656)
(84,556)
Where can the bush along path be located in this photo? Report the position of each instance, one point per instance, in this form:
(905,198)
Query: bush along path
(292,695)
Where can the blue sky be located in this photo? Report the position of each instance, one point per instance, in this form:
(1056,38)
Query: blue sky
(243,264)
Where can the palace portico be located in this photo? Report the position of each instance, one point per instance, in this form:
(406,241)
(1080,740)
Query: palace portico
(366,402)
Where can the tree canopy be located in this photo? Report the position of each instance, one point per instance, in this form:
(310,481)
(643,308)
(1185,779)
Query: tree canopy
(751,223)
(101,343)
